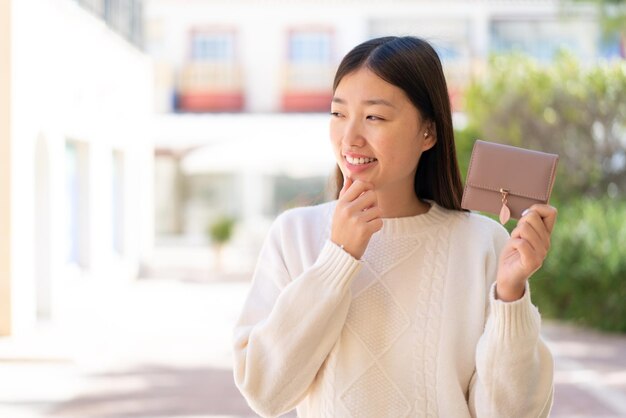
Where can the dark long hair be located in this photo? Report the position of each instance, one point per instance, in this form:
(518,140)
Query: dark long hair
(413,65)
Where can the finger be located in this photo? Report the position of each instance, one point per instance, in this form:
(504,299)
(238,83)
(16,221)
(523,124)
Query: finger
(356,189)
(365,201)
(529,261)
(347,182)
(375,224)
(533,220)
(547,213)
(371,214)
(526,232)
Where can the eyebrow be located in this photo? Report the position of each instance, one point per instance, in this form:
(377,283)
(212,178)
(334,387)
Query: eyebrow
(369,102)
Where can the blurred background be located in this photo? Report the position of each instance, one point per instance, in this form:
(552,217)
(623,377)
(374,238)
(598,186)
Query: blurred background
(147,145)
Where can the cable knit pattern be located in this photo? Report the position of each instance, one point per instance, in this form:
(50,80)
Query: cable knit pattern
(384,254)
(411,330)
(375,395)
(427,323)
(376,318)
(434,328)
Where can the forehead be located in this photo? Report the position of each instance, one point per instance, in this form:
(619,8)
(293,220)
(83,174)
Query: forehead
(364,84)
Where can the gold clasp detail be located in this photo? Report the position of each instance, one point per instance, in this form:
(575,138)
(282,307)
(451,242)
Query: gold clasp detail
(505,194)
(505,212)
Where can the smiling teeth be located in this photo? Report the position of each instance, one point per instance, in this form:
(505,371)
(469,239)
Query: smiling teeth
(357,161)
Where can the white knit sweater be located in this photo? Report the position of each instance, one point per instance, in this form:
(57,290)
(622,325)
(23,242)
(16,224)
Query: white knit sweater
(412,329)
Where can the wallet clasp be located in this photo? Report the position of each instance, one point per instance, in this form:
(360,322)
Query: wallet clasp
(505,212)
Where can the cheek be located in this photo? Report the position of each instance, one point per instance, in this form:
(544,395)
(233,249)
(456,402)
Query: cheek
(333,132)
(401,157)
(403,162)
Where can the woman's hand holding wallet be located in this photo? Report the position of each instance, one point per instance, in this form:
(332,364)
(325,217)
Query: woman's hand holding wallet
(514,182)
(525,251)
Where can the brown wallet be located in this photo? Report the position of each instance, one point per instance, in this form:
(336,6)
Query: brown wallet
(506,180)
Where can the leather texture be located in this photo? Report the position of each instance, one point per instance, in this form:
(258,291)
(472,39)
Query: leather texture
(527,175)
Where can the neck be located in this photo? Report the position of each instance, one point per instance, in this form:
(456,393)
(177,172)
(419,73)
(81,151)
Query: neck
(400,204)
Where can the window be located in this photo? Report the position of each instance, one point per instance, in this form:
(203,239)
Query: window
(211,80)
(544,38)
(213,46)
(77,203)
(309,70)
(310,47)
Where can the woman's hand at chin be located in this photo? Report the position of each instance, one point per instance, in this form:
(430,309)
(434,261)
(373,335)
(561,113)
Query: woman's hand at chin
(357,217)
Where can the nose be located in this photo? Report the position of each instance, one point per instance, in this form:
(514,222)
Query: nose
(353,134)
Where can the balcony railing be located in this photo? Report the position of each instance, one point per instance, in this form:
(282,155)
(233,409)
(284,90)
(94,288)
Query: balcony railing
(210,87)
(307,87)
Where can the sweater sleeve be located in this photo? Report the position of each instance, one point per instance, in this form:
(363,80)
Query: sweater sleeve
(289,324)
(514,368)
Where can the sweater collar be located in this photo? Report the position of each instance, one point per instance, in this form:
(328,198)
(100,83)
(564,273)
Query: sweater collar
(410,224)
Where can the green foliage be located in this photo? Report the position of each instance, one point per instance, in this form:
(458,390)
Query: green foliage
(578,112)
(221,230)
(464,142)
(612,16)
(584,277)
(575,111)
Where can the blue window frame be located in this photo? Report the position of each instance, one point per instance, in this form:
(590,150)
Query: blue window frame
(310,47)
(213,46)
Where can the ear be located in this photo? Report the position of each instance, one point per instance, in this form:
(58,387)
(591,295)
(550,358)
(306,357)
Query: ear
(430,137)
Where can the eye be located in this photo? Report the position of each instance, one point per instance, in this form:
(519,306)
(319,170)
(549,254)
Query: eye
(335,114)
(374,118)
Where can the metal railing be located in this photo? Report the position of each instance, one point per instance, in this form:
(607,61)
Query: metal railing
(122,16)
(209,76)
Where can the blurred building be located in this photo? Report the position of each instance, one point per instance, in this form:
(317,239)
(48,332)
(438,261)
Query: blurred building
(225,70)
(76,155)
(278,56)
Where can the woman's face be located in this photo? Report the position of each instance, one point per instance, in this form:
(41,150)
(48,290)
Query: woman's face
(377,134)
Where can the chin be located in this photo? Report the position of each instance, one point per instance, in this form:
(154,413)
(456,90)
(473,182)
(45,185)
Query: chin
(362,177)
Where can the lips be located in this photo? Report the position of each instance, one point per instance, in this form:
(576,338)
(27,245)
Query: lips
(356,163)
(359,160)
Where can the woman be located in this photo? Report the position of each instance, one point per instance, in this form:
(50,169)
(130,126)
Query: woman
(392,301)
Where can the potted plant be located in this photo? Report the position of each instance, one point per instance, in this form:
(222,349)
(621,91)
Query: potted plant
(220,232)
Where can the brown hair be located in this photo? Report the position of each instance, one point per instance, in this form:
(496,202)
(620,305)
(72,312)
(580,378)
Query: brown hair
(413,65)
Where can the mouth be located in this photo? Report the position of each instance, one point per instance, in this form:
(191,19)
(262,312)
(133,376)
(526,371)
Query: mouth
(359,160)
(359,164)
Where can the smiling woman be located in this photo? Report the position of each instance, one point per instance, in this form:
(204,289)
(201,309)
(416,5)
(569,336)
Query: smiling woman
(392,301)
(378,137)
(417,94)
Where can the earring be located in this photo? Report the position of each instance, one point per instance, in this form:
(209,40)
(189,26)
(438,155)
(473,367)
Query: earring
(425,134)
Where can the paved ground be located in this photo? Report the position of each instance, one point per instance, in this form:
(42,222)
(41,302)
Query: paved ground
(160,348)
(590,378)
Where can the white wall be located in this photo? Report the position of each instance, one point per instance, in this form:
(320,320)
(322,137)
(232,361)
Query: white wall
(74,79)
(5,167)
